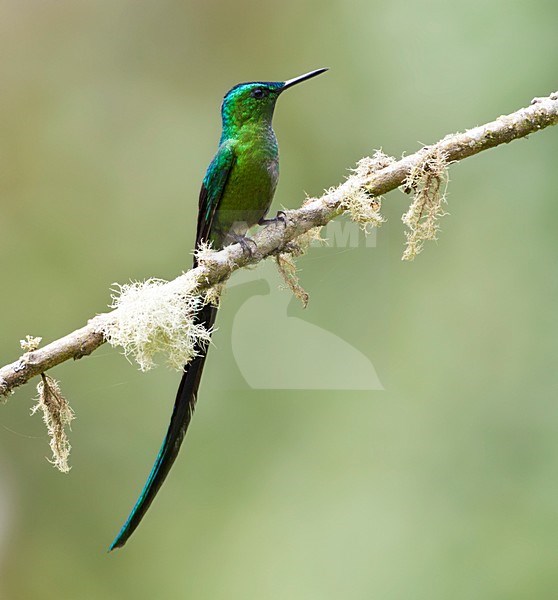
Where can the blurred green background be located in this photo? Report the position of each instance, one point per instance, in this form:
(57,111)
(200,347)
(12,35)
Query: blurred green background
(442,485)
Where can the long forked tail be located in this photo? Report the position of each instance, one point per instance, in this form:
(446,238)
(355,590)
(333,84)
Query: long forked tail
(182,413)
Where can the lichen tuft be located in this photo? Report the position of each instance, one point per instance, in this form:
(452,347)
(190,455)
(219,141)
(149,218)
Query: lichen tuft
(363,208)
(286,262)
(288,271)
(57,415)
(157,317)
(204,253)
(30,343)
(356,200)
(367,166)
(427,180)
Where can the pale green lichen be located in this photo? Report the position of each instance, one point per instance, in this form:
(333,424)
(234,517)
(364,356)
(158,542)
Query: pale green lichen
(157,317)
(427,180)
(204,253)
(213,294)
(30,343)
(204,256)
(367,166)
(57,415)
(286,265)
(361,206)
(288,271)
(304,241)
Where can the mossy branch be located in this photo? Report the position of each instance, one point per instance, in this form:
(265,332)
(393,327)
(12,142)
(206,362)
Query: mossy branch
(358,196)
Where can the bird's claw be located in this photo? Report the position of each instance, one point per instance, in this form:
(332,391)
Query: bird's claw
(280,218)
(244,243)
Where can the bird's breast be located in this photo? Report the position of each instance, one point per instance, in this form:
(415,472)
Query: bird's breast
(251,185)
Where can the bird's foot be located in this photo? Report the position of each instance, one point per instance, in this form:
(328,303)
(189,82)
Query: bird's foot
(280,218)
(244,242)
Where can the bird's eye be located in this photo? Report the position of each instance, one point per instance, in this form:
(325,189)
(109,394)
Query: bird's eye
(259,93)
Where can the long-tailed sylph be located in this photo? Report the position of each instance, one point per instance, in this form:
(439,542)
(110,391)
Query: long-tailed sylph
(236,194)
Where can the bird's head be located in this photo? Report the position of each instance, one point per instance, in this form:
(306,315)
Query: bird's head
(255,101)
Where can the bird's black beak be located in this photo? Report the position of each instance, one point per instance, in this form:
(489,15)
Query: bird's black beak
(289,83)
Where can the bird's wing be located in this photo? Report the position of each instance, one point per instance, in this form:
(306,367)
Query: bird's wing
(212,189)
(211,193)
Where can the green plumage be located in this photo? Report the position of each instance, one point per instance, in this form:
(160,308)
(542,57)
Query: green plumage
(236,194)
(242,178)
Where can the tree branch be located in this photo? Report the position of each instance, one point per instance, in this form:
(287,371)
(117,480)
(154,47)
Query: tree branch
(371,178)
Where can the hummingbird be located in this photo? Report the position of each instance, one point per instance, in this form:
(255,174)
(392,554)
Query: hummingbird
(236,194)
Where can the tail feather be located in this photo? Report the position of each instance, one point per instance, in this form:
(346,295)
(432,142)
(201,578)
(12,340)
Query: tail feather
(181,415)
